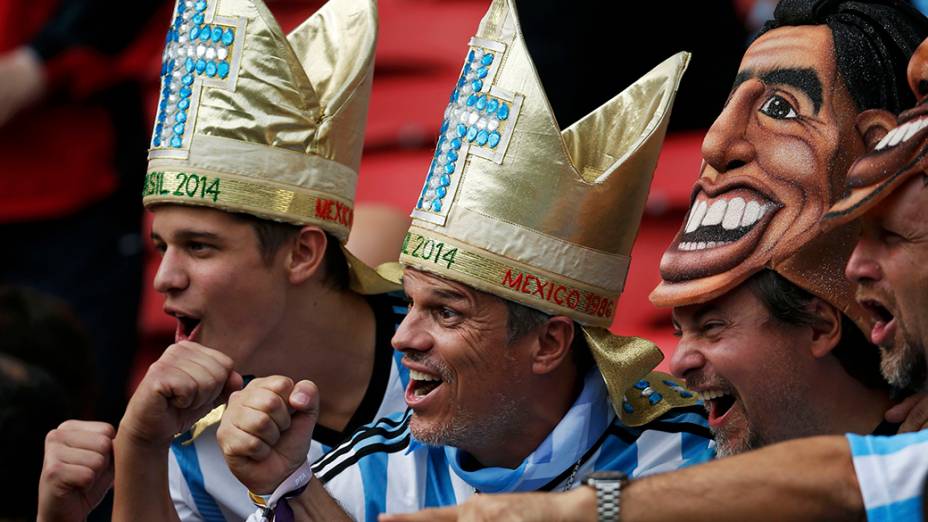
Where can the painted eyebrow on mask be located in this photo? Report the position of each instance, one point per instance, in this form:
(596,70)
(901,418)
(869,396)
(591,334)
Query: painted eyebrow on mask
(806,80)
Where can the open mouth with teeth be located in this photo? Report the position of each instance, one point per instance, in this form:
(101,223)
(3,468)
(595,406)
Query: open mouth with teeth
(188,328)
(884,323)
(421,385)
(719,404)
(720,232)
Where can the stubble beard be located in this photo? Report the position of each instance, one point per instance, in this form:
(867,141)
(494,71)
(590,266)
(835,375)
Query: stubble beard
(903,365)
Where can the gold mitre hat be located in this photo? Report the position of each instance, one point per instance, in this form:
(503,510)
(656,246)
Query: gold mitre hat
(516,207)
(252,121)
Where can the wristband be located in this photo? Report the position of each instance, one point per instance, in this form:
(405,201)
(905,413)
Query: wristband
(274,506)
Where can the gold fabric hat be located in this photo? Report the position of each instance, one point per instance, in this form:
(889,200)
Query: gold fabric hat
(516,207)
(252,121)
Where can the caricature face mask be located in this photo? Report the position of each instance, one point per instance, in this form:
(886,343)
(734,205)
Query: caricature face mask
(774,162)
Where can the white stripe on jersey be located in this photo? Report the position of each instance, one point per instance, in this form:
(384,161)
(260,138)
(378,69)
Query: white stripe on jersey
(893,476)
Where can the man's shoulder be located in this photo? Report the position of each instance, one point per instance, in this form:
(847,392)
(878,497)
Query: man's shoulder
(389,434)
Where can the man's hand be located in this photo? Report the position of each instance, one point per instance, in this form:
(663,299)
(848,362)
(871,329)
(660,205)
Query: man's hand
(911,412)
(182,386)
(77,470)
(266,430)
(578,505)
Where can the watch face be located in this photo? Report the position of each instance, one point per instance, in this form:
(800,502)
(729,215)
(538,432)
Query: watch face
(606,475)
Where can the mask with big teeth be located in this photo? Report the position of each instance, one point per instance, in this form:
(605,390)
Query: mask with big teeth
(774,161)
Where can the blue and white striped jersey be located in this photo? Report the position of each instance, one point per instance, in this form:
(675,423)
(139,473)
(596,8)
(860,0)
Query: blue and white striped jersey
(891,472)
(203,488)
(383,469)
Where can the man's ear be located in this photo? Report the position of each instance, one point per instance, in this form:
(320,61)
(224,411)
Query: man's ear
(873,125)
(826,330)
(306,254)
(554,341)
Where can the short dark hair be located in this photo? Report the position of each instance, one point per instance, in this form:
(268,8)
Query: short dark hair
(523,319)
(272,235)
(873,42)
(788,304)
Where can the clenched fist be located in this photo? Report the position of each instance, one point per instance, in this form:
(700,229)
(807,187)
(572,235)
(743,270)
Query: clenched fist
(266,430)
(182,386)
(77,470)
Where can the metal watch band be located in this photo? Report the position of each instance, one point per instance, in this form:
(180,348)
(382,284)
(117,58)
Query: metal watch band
(608,487)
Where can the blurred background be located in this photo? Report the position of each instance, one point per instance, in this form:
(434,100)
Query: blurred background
(79,81)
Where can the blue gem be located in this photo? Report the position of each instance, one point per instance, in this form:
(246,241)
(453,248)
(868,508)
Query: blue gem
(444,181)
(470,56)
(482,72)
(449,168)
(452,156)
(177,23)
(482,138)
(200,66)
(164,104)
(461,81)
(487,59)
(436,206)
(462,130)
(228,37)
(685,394)
(466,69)
(471,100)
(627,407)
(175,141)
(222,69)
(642,384)
(217,34)
(180,117)
(503,112)
(188,64)
(492,105)
(181,7)
(493,139)
(194,33)
(655,398)
(472,134)
(179,129)
(419,204)
(184,92)
(481,103)
(157,141)
(183,104)
(162,116)
(441,191)
(444,127)
(204,33)
(187,79)
(456,144)
(211,69)
(669,383)
(477,85)
(159,127)
(197,19)
(200,5)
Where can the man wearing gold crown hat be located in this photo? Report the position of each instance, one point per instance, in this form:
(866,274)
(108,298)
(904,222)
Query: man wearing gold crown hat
(809,479)
(516,256)
(251,179)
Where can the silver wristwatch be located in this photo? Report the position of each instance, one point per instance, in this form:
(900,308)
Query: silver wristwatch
(608,486)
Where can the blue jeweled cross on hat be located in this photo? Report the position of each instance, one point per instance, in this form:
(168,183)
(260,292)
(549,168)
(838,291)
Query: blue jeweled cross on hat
(478,121)
(200,49)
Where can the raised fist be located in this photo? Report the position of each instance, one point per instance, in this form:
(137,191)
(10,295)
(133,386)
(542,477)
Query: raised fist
(182,386)
(266,430)
(77,470)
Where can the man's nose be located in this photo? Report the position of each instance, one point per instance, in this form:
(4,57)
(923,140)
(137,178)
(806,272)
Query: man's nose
(726,146)
(412,334)
(863,267)
(686,358)
(171,275)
